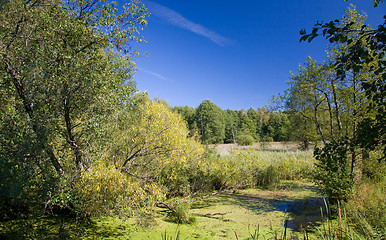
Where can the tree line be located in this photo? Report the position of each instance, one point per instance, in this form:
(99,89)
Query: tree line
(212,125)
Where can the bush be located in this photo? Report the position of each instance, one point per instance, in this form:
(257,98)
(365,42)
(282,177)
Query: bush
(332,170)
(245,140)
(180,214)
(267,139)
(104,190)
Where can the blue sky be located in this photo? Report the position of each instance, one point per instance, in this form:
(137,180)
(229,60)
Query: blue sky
(238,54)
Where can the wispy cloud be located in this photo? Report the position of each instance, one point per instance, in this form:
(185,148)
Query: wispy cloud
(180,21)
(154,74)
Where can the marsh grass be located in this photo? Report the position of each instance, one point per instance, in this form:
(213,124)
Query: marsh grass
(291,162)
(181,215)
(168,236)
(253,167)
(278,192)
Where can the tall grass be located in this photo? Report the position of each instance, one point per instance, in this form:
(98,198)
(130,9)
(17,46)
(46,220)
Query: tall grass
(291,165)
(366,208)
(239,168)
(176,236)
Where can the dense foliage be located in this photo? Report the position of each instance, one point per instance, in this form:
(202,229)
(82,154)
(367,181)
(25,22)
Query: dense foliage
(344,97)
(214,125)
(75,135)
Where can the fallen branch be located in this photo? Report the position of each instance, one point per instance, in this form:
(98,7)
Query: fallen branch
(214,215)
(165,205)
(210,214)
(228,220)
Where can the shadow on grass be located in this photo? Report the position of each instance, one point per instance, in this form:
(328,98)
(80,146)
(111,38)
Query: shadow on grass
(62,227)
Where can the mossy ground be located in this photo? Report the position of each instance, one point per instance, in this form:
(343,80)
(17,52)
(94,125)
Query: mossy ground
(247,211)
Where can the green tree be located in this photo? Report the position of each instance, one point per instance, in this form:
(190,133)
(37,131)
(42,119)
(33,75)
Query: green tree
(231,126)
(305,94)
(246,125)
(301,129)
(65,66)
(318,98)
(364,52)
(254,116)
(357,94)
(263,116)
(53,59)
(189,114)
(210,121)
(279,124)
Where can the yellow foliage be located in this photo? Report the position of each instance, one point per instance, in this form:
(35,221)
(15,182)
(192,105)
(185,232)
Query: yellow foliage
(104,190)
(143,140)
(152,136)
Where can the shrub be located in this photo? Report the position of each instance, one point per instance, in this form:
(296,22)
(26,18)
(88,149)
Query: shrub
(267,139)
(180,214)
(332,170)
(245,140)
(104,190)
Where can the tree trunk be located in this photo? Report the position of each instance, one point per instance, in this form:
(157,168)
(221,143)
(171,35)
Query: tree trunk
(71,138)
(355,126)
(28,107)
(337,111)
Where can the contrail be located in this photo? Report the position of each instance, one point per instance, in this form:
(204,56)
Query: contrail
(176,19)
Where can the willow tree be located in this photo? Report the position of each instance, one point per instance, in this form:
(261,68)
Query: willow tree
(149,138)
(64,66)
